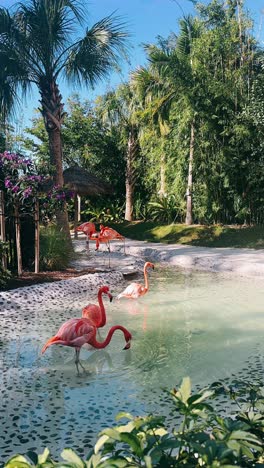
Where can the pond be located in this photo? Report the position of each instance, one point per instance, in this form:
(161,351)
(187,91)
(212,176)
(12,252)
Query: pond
(203,325)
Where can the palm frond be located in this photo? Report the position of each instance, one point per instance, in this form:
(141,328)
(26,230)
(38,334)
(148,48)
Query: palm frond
(46,26)
(5,21)
(14,78)
(93,57)
(190,29)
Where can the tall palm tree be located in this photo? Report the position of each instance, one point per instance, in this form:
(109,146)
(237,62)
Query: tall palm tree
(119,108)
(39,45)
(174,80)
(154,114)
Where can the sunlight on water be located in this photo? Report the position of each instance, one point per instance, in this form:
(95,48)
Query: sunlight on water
(198,324)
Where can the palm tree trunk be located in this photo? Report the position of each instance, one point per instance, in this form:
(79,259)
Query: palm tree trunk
(52,111)
(132,149)
(189,216)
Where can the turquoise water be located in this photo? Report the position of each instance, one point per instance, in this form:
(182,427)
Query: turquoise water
(198,324)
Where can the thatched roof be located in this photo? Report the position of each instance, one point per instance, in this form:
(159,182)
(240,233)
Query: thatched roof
(85,183)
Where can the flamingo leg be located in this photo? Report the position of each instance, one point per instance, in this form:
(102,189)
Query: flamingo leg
(77,360)
(87,243)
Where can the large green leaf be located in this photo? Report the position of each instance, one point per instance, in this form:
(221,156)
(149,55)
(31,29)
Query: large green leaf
(70,456)
(199,398)
(42,458)
(243,435)
(112,433)
(101,441)
(184,391)
(133,441)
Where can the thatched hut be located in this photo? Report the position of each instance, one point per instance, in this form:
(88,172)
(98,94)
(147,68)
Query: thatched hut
(82,182)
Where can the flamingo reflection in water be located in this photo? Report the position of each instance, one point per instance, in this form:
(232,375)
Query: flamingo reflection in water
(135,308)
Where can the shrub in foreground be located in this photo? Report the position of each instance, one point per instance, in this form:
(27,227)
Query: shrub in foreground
(202,438)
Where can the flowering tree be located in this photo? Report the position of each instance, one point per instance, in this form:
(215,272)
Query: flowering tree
(23,184)
(23,187)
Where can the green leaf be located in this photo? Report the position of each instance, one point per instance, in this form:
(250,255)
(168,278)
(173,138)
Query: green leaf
(147,461)
(169,444)
(42,458)
(101,441)
(130,426)
(70,456)
(17,458)
(199,398)
(184,391)
(17,464)
(243,435)
(33,456)
(112,433)
(133,441)
(116,462)
(123,414)
(93,461)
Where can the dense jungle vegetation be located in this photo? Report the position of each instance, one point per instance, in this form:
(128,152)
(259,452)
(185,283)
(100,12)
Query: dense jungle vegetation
(182,140)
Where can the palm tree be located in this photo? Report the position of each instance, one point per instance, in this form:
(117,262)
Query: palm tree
(174,80)
(119,109)
(39,45)
(154,114)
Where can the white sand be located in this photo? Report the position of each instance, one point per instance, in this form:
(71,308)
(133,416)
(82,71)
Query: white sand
(242,262)
(111,268)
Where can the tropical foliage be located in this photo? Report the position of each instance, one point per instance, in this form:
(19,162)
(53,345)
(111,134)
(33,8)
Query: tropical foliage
(188,126)
(23,183)
(55,251)
(202,436)
(38,45)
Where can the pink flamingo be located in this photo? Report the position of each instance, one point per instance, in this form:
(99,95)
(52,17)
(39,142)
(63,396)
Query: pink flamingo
(79,331)
(89,230)
(107,234)
(95,313)
(135,290)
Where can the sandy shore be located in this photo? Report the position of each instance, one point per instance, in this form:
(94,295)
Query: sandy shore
(241,262)
(114,268)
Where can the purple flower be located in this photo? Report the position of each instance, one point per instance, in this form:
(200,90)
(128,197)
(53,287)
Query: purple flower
(28,162)
(15,189)
(27,192)
(8,183)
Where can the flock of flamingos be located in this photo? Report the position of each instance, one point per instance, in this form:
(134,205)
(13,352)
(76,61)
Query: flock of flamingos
(77,332)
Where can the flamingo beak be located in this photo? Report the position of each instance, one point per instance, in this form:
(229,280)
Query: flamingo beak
(110,297)
(127,345)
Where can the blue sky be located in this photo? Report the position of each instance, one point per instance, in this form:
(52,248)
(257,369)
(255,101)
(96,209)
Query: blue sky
(146,19)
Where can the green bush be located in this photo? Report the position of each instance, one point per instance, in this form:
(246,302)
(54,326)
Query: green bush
(113,212)
(203,437)
(165,210)
(55,249)
(4,273)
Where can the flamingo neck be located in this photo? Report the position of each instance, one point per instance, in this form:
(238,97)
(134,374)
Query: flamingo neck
(102,309)
(103,344)
(146,278)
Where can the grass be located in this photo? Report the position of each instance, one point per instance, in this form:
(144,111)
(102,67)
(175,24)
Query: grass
(206,236)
